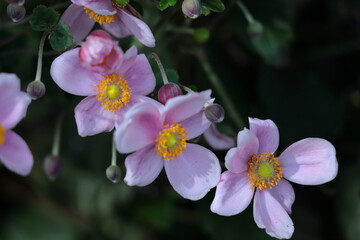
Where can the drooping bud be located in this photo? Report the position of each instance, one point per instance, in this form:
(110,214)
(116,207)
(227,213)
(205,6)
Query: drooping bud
(191,8)
(36,89)
(113,173)
(18,2)
(214,112)
(52,166)
(121,3)
(255,29)
(168,91)
(201,35)
(16,12)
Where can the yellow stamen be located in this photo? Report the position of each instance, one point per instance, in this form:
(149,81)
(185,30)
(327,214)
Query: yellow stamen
(113,92)
(2,134)
(102,19)
(171,141)
(264,171)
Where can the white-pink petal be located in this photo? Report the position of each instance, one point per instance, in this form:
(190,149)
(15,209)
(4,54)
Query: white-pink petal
(193,173)
(233,194)
(310,161)
(102,7)
(269,214)
(196,125)
(143,167)
(284,193)
(267,133)
(218,140)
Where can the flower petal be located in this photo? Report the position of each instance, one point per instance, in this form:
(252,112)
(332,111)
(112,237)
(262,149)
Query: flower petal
(196,125)
(233,194)
(19,107)
(15,154)
(102,7)
(236,159)
(310,161)
(140,127)
(284,193)
(193,173)
(91,119)
(143,167)
(69,75)
(182,107)
(269,214)
(217,140)
(79,22)
(267,133)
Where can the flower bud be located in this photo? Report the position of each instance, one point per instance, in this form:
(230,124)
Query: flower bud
(18,2)
(191,8)
(52,166)
(121,3)
(168,91)
(36,89)
(255,29)
(113,173)
(214,112)
(16,12)
(201,35)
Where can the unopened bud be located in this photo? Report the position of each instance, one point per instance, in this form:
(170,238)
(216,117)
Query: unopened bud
(113,173)
(121,3)
(214,112)
(191,8)
(36,89)
(201,35)
(52,166)
(16,12)
(18,2)
(168,91)
(255,29)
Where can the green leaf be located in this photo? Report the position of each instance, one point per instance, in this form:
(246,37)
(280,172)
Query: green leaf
(60,38)
(204,10)
(164,4)
(43,18)
(214,5)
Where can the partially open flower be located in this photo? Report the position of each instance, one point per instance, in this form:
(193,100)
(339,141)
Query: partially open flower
(191,8)
(168,91)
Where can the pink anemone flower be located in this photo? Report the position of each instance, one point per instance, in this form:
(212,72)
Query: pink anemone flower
(218,140)
(111,80)
(14,152)
(252,164)
(159,136)
(82,15)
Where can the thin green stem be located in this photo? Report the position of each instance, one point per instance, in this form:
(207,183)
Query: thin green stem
(40,56)
(162,71)
(246,12)
(57,136)
(113,155)
(215,81)
(187,89)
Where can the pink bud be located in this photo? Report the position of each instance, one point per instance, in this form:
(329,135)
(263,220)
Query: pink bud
(52,166)
(100,53)
(168,91)
(191,8)
(16,12)
(214,113)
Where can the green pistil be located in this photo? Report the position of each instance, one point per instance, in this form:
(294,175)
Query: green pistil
(171,140)
(265,170)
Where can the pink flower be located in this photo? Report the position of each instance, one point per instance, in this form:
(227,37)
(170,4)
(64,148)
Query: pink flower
(217,140)
(14,152)
(251,165)
(82,15)
(158,134)
(109,95)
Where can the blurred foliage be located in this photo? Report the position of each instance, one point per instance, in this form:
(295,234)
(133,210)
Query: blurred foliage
(302,72)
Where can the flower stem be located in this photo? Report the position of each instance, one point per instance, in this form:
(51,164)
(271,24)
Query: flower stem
(162,71)
(57,135)
(40,56)
(113,155)
(246,12)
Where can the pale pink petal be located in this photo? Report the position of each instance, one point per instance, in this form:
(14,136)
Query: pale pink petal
(91,119)
(15,154)
(182,107)
(217,140)
(284,193)
(310,161)
(79,22)
(233,194)
(143,167)
(193,173)
(267,133)
(69,75)
(117,28)
(236,159)
(102,7)
(196,125)
(129,59)
(19,105)
(140,127)
(269,214)
(140,76)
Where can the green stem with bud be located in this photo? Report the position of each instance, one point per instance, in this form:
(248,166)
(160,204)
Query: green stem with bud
(162,71)
(40,56)
(57,135)
(113,155)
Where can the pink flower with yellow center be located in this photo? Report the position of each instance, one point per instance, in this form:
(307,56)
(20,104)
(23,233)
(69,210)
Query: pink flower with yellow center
(158,134)
(14,152)
(252,165)
(111,80)
(82,15)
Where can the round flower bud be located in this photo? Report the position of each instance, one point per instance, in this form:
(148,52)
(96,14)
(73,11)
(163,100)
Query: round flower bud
(113,173)
(255,29)
(121,3)
(214,112)
(16,12)
(52,166)
(201,35)
(191,8)
(36,89)
(18,2)
(168,91)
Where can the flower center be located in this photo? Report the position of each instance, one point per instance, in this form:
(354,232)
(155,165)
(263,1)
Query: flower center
(171,141)
(113,92)
(264,171)
(102,19)
(2,134)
